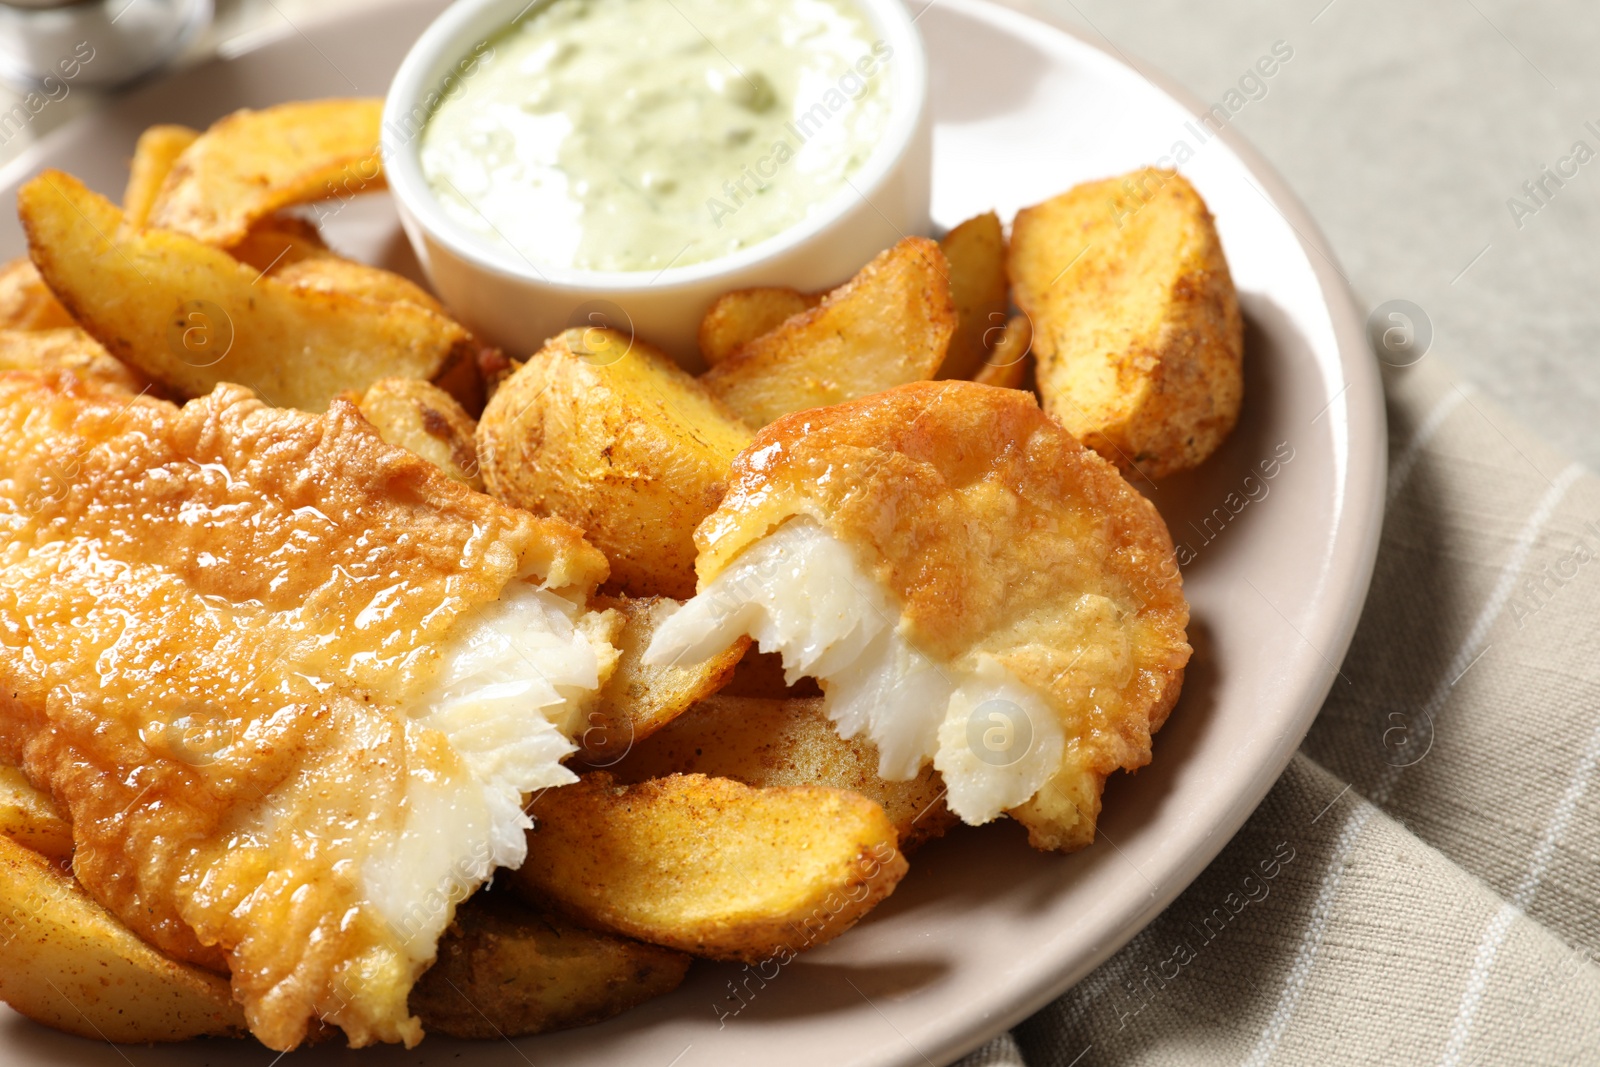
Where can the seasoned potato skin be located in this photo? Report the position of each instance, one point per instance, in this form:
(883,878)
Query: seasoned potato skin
(1136,324)
(67,963)
(610,434)
(252,163)
(637,700)
(427,420)
(787,742)
(148,295)
(976,251)
(158,149)
(710,866)
(69,349)
(739,317)
(30,818)
(889,325)
(507,970)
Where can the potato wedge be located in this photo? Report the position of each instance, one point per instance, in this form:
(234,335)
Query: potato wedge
(278,242)
(889,325)
(66,963)
(428,421)
(252,163)
(506,970)
(639,700)
(739,317)
(608,433)
(190,316)
(26,302)
(29,818)
(1136,324)
(710,866)
(158,149)
(976,250)
(67,349)
(768,743)
(335,274)
(1008,365)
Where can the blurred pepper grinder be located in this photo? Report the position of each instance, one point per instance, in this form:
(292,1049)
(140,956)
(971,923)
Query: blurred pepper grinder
(52,45)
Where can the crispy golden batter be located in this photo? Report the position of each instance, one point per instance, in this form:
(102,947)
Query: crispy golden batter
(210,620)
(996,532)
(1135,321)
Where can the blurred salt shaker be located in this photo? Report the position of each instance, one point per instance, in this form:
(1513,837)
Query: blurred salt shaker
(51,46)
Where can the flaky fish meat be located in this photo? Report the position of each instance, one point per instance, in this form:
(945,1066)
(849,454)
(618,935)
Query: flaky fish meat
(971,586)
(292,685)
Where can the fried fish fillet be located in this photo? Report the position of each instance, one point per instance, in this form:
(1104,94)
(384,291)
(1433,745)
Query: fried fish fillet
(290,684)
(971,586)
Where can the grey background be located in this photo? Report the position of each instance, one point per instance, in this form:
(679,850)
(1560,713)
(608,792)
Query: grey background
(1405,125)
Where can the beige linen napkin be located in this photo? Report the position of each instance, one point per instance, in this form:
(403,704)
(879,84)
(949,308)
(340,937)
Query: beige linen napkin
(1423,883)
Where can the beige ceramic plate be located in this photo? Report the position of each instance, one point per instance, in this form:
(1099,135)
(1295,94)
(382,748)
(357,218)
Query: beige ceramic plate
(984,931)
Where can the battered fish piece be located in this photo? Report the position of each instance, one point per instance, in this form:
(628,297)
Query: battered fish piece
(290,684)
(970,585)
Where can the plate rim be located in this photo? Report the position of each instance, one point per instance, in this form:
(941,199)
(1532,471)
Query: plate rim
(1353,545)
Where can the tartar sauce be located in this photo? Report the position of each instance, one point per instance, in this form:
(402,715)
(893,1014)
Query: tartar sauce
(644,134)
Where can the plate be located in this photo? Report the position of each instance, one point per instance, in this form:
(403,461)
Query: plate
(1278,530)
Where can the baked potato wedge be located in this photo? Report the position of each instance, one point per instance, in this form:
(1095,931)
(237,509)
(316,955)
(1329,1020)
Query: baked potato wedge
(976,251)
(153,156)
(710,866)
(279,242)
(1007,366)
(638,700)
(889,325)
(505,970)
(426,420)
(1136,325)
(608,433)
(26,302)
(252,163)
(191,316)
(740,316)
(767,743)
(29,818)
(68,348)
(67,963)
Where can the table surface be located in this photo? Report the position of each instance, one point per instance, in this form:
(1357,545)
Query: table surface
(1406,126)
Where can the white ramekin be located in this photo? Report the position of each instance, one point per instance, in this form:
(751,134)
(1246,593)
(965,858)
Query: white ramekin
(517,303)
